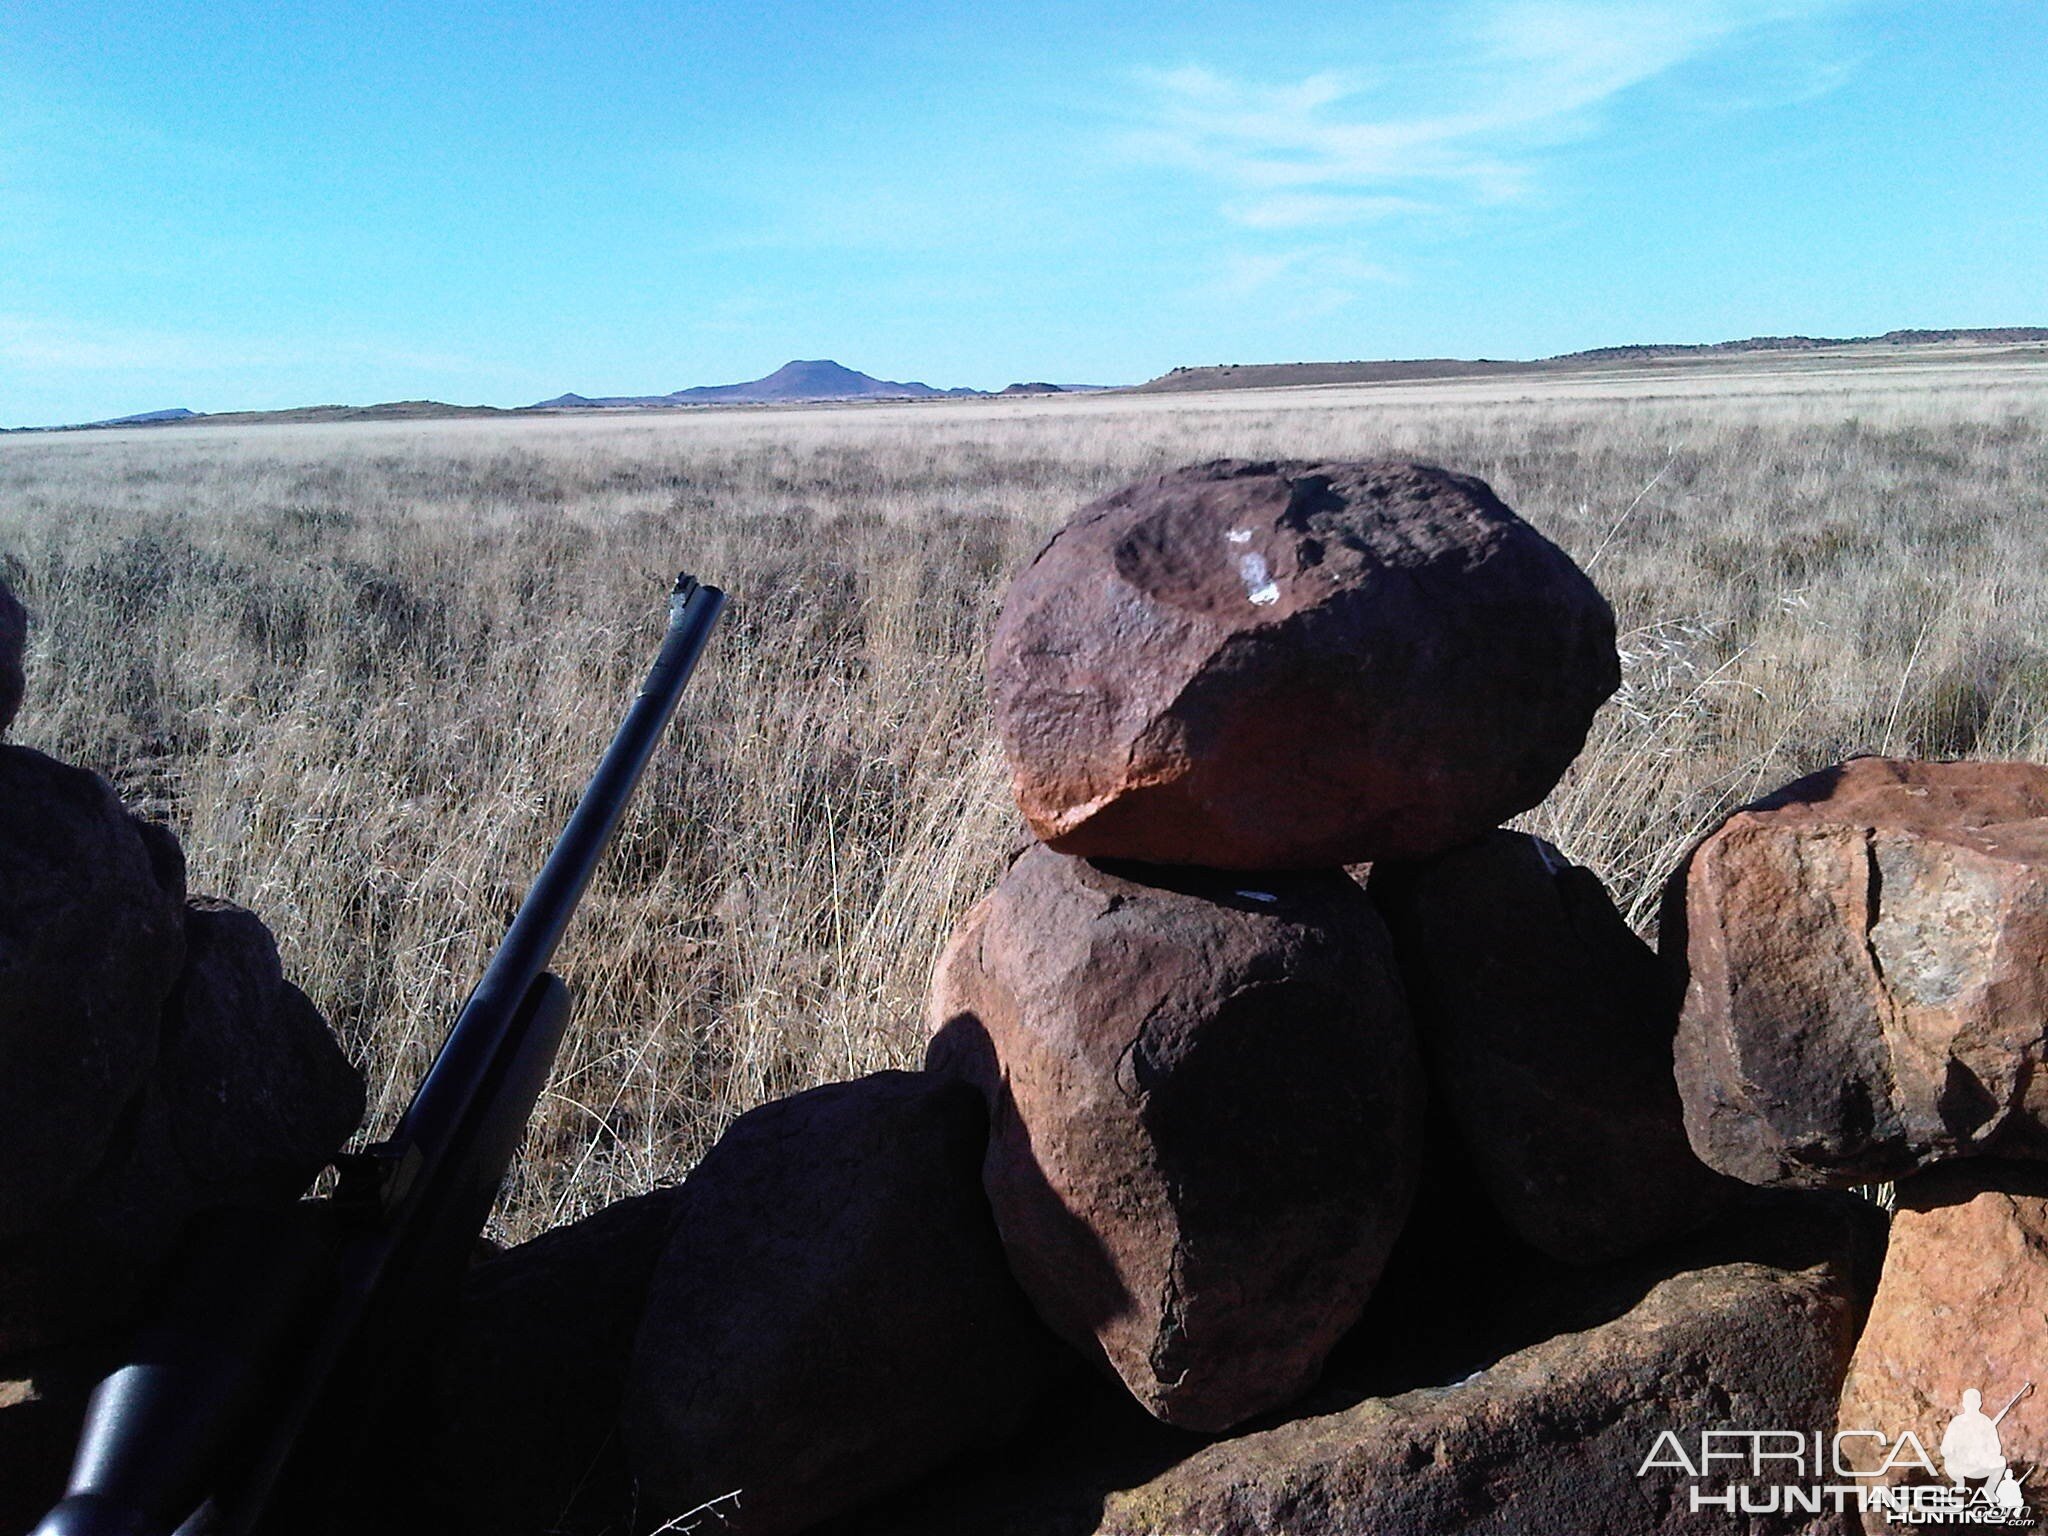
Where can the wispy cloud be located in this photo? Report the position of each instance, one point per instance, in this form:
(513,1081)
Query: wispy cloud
(1525,75)
(1306,283)
(31,341)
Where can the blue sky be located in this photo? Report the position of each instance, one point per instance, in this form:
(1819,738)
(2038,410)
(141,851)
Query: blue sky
(235,206)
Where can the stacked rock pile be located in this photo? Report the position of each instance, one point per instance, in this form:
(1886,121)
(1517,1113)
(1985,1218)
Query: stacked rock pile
(154,1064)
(1216,689)
(1866,968)
(1185,1078)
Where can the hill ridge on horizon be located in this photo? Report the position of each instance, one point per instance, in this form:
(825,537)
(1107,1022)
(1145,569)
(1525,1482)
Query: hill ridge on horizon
(787,384)
(1387,370)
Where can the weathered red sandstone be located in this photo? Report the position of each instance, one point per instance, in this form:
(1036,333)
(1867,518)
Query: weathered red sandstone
(1748,1324)
(1958,1309)
(1865,987)
(1248,665)
(1205,1115)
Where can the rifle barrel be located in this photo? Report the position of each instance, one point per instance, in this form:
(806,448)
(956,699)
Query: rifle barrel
(442,1103)
(222,1398)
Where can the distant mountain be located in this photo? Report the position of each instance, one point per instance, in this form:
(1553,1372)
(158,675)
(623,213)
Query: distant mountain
(815,379)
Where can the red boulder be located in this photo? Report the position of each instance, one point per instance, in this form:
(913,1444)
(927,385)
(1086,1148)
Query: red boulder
(1205,1115)
(1865,956)
(830,1318)
(1294,666)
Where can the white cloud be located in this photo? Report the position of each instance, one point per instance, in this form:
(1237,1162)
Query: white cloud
(1526,75)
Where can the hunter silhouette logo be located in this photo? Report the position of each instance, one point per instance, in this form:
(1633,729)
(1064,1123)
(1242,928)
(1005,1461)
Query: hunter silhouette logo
(1970,1449)
(1872,1471)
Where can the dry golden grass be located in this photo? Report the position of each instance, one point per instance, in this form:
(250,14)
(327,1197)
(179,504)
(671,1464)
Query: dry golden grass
(364,671)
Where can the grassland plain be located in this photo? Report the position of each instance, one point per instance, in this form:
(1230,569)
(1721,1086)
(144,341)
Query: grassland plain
(363,671)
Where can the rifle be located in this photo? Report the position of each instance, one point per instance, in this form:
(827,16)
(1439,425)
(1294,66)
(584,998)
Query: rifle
(275,1365)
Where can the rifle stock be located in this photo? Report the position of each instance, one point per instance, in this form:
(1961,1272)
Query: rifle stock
(276,1361)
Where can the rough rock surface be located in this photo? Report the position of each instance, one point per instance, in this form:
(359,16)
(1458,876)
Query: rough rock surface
(260,1090)
(248,1095)
(1865,987)
(831,1318)
(13,636)
(1748,1324)
(1960,1306)
(1205,1115)
(1547,1027)
(1248,665)
(91,941)
(528,1387)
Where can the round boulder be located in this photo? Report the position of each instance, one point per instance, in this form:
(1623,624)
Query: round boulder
(830,1318)
(261,1092)
(1205,1115)
(91,942)
(1294,666)
(1863,960)
(248,1096)
(1547,1026)
(13,637)
(529,1375)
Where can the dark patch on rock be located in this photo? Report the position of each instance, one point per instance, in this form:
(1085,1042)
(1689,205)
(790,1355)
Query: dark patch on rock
(1547,1025)
(831,1318)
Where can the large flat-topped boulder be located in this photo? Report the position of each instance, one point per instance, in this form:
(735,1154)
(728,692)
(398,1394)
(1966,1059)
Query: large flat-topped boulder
(1866,973)
(1749,1325)
(1547,1026)
(1270,665)
(1205,1115)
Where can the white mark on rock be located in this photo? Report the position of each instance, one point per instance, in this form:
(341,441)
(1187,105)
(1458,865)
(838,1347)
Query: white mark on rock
(1258,581)
(1239,536)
